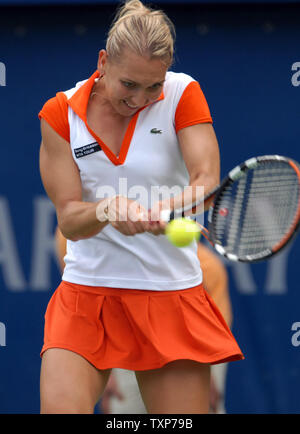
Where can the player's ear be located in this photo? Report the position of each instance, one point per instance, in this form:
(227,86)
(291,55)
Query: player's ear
(102,59)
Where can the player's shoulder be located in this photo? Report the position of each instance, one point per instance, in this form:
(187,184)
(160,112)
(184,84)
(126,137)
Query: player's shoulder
(178,77)
(176,83)
(55,110)
(175,80)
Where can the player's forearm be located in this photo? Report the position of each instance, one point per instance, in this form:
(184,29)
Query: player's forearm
(78,220)
(199,186)
(202,184)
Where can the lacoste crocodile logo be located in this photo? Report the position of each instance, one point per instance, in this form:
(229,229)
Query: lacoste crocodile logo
(155,131)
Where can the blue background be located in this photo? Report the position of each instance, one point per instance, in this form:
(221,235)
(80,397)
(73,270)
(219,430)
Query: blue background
(106,2)
(242,55)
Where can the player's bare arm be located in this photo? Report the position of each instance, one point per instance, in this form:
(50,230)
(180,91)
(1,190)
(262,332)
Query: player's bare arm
(61,180)
(200,151)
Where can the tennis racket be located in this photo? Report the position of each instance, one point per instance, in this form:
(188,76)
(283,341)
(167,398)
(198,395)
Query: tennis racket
(255,210)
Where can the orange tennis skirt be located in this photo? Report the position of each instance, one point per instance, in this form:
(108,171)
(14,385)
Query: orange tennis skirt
(138,329)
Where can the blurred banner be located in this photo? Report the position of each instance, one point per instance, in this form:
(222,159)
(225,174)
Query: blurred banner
(247,61)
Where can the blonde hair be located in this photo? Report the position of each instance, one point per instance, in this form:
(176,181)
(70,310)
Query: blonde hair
(145,31)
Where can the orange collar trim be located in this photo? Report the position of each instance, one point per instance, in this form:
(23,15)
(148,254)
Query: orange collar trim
(79,100)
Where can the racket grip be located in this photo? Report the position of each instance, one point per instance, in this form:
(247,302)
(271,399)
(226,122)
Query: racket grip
(169,215)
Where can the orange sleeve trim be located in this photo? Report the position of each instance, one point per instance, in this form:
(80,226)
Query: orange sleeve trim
(192,108)
(55,112)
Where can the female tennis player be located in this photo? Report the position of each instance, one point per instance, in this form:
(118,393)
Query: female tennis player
(128,298)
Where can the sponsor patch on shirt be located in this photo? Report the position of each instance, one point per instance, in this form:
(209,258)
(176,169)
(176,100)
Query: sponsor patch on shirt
(87,149)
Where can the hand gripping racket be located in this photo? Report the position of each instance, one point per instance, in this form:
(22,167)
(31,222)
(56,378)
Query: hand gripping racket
(255,210)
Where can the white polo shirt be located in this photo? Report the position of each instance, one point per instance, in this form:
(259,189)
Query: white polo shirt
(150,161)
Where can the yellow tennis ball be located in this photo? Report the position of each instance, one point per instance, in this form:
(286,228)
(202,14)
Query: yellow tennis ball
(181,232)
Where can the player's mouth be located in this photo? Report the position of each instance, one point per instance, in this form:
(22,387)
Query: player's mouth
(130,106)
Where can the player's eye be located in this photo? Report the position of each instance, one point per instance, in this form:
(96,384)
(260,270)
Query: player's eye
(128,84)
(155,86)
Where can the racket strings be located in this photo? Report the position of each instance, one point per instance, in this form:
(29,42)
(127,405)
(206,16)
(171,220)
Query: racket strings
(260,209)
(269,214)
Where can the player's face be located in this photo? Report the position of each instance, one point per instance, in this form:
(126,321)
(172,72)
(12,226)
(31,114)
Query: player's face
(132,82)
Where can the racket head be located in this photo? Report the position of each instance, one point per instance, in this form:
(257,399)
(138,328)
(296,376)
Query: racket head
(256,211)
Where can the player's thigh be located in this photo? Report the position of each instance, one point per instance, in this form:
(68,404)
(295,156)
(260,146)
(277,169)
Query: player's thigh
(182,386)
(69,383)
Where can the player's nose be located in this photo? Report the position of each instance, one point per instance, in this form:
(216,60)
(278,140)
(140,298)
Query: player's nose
(140,100)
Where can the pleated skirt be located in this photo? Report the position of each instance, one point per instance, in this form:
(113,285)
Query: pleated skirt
(138,329)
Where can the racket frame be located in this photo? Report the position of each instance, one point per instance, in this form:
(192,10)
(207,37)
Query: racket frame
(236,173)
